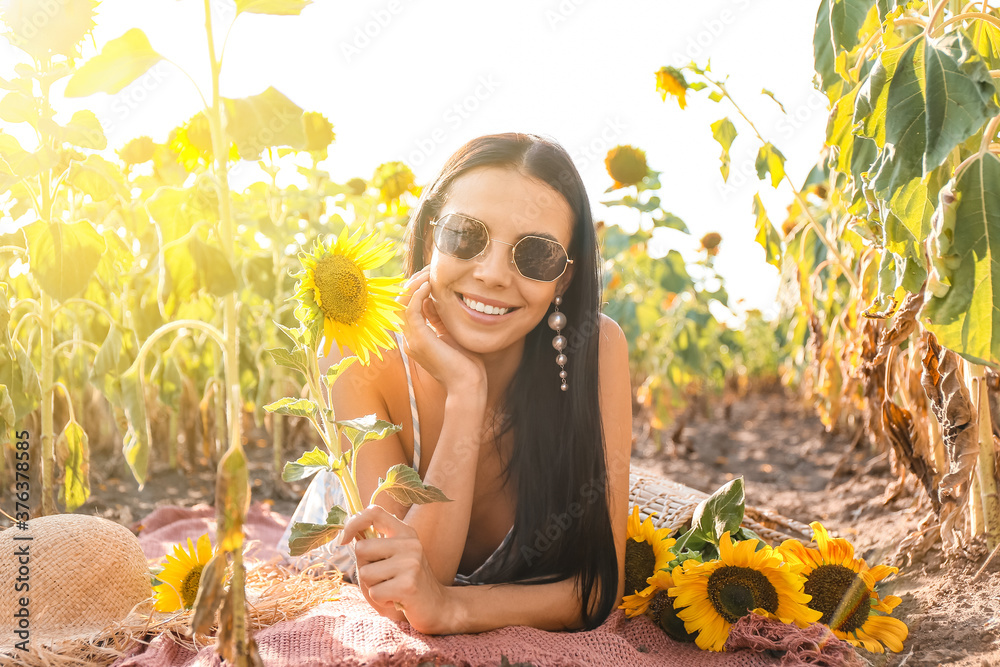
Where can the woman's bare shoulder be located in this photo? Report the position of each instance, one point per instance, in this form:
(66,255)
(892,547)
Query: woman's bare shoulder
(381,379)
(612,334)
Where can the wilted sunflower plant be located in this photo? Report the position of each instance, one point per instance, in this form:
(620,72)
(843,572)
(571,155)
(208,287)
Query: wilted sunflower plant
(338,302)
(696,586)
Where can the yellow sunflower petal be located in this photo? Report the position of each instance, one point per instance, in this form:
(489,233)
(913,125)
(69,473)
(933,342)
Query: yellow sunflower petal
(890,631)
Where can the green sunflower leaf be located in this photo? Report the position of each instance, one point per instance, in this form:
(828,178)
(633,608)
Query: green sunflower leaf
(73,454)
(63,256)
(308,536)
(940,94)
(767,235)
(83,130)
(274,7)
(111,361)
(193,266)
(120,62)
(98,178)
(7,418)
(307,465)
(770,161)
(404,485)
(837,25)
(721,512)
(964,311)
(18,107)
(19,376)
(335,371)
(365,429)
(296,407)
(724,132)
(668,220)
(296,359)
(135,442)
(262,121)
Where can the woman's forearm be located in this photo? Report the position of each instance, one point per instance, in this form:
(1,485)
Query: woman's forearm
(443,527)
(554,607)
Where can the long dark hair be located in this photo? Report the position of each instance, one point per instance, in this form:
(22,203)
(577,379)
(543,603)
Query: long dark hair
(558,467)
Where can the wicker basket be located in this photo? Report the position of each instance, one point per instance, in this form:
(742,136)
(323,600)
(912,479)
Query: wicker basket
(672,505)
(84,574)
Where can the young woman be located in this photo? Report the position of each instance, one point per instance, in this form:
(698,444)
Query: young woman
(512,391)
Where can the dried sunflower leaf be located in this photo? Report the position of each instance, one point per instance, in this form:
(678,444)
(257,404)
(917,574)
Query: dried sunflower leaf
(902,326)
(211,590)
(900,427)
(951,405)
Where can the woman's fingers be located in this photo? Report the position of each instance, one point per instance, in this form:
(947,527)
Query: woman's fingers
(412,284)
(374,516)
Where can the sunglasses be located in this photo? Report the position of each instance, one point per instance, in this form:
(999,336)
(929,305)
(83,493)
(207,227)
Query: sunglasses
(534,257)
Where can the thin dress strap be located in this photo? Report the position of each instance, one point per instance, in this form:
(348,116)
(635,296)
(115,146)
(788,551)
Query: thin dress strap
(413,404)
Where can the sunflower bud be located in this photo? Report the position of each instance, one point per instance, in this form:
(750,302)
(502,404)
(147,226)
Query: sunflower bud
(319,131)
(710,243)
(626,165)
(357,186)
(137,151)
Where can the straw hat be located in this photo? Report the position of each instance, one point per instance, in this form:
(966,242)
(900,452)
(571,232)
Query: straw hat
(84,574)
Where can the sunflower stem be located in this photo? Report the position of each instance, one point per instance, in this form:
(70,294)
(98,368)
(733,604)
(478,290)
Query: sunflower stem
(353,497)
(48,312)
(239,648)
(819,230)
(986,475)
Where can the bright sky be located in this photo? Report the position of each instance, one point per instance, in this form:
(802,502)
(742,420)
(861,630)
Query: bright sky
(413,80)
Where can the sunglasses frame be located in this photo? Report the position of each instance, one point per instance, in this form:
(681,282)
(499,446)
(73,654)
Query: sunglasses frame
(490,239)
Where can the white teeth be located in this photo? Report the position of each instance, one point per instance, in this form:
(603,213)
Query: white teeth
(483,308)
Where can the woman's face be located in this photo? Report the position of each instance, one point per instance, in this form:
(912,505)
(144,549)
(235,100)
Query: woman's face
(512,206)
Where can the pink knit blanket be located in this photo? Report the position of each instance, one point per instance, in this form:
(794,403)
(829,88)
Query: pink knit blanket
(349,632)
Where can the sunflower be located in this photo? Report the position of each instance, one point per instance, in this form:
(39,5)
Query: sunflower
(358,311)
(743,579)
(181,575)
(42,29)
(670,81)
(393,180)
(626,165)
(647,551)
(843,591)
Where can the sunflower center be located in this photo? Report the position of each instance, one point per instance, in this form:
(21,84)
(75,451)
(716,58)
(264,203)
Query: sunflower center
(189,587)
(840,595)
(341,288)
(735,591)
(640,565)
(662,611)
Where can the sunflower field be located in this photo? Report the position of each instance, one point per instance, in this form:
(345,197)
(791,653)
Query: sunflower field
(155,315)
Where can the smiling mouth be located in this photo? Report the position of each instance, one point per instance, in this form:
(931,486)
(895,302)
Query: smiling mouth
(484,308)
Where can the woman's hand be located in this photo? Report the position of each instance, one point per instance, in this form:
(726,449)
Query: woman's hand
(394,574)
(430,344)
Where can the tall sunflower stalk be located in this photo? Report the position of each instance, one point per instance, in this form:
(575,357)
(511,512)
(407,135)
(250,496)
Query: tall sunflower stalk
(339,303)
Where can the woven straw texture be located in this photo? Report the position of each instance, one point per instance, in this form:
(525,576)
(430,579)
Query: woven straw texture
(84,572)
(672,505)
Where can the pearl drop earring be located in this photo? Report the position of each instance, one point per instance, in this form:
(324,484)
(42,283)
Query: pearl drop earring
(557,321)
